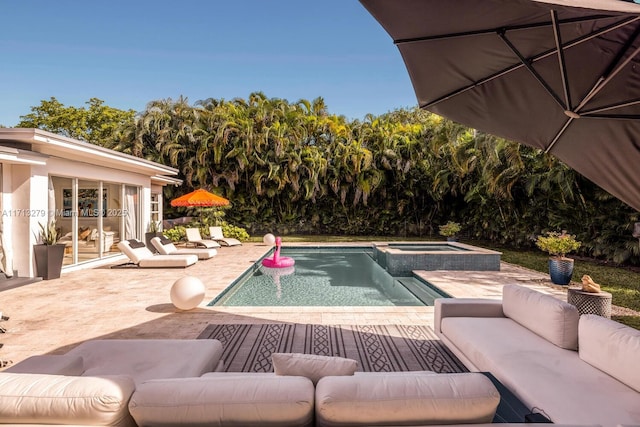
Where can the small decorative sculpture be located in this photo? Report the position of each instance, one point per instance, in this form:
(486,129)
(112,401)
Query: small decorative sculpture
(588,285)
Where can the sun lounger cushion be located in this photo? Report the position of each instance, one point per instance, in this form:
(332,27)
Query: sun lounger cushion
(391,399)
(143,257)
(559,325)
(58,399)
(312,366)
(611,347)
(170,249)
(234,401)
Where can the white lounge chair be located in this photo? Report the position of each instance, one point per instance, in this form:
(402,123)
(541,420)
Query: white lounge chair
(215,234)
(194,238)
(141,256)
(165,246)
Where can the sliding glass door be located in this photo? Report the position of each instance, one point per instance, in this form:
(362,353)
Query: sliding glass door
(92,216)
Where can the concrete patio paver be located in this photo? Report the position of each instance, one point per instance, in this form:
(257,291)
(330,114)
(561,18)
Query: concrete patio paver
(52,316)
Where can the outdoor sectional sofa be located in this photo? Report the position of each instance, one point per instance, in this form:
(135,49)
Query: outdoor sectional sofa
(178,382)
(575,369)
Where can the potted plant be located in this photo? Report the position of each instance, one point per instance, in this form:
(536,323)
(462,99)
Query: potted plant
(49,254)
(154,230)
(558,245)
(450,230)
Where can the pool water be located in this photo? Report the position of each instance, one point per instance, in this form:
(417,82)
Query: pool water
(326,277)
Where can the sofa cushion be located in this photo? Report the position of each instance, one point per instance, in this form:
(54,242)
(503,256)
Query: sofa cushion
(611,347)
(144,359)
(57,399)
(55,364)
(405,400)
(541,374)
(312,366)
(236,400)
(547,316)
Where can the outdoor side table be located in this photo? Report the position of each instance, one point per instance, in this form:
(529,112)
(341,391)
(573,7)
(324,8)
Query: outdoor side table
(590,303)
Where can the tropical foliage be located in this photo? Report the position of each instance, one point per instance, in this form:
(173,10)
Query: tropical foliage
(95,124)
(292,167)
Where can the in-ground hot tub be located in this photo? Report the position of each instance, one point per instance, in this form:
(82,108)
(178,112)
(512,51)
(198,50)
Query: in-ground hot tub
(401,258)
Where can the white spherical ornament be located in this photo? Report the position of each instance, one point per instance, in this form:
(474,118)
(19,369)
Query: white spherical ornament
(269,239)
(187,293)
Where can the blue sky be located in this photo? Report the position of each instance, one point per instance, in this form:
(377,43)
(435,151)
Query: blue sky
(128,53)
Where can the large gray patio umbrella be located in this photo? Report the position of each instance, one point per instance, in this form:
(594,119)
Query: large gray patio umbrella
(559,75)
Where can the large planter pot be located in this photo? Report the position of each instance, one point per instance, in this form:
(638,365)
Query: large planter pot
(561,270)
(452,238)
(49,260)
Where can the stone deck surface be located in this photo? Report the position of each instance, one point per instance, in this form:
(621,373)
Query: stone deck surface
(50,317)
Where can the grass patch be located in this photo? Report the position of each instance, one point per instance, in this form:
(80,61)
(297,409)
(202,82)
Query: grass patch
(624,285)
(632,321)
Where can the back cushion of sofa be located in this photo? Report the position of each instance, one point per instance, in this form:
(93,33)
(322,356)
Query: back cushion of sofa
(611,347)
(553,319)
(400,399)
(57,364)
(237,400)
(58,399)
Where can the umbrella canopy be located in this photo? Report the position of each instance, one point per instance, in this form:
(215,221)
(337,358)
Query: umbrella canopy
(199,198)
(559,75)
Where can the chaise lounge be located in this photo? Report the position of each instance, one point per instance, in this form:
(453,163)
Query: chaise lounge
(165,246)
(194,238)
(139,255)
(216,234)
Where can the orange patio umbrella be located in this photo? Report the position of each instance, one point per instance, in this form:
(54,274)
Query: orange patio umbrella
(199,198)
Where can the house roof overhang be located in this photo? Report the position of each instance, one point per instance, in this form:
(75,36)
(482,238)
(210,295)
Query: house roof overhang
(49,144)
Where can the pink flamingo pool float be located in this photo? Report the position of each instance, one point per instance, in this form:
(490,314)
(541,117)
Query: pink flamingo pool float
(277,261)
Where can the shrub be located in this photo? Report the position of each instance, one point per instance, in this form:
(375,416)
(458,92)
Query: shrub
(557,244)
(176,233)
(450,229)
(235,232)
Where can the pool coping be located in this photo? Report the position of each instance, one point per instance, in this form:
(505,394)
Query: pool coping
(467,248)
(462,257)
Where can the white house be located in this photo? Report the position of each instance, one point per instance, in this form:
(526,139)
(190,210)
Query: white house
(97,197)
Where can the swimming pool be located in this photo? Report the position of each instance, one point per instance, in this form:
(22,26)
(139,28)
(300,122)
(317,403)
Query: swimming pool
(326,276)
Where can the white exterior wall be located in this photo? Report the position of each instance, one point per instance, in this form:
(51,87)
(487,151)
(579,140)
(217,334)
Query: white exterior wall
(28,200)
(7,219)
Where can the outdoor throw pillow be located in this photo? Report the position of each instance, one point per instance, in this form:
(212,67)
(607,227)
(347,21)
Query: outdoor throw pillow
(165,241)
(312,366)
(134,244)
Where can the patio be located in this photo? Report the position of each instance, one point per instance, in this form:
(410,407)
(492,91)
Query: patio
(52,316)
